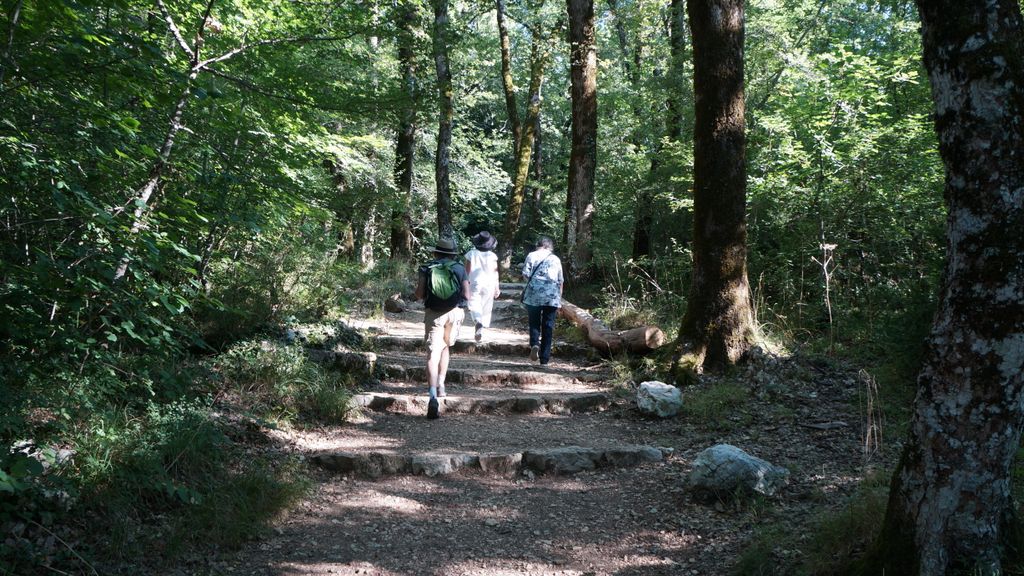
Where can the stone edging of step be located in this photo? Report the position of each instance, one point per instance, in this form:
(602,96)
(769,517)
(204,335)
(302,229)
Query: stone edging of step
(514,349)
(368,365)
(526,404)
(398,372)
(561,460)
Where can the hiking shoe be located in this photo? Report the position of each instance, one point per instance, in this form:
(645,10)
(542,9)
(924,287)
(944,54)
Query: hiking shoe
(534,353)
(479,334)
(433,407)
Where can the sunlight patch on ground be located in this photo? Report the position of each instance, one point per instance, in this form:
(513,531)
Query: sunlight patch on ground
(306,569)
(383,502)
(831,483)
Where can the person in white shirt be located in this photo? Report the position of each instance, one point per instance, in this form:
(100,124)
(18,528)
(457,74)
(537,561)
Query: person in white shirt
(482,270)
(542,297)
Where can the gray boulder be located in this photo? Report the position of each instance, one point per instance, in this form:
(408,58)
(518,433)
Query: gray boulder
(724,471)
(659,399)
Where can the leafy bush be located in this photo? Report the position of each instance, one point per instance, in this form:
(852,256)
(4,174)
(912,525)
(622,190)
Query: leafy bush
(279,382)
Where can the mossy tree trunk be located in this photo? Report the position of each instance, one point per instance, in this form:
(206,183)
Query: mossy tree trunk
(538,173)
(445,111)
(950,504)
(718,326)
(506,77)
(405,147)
(579,219)
(540,54)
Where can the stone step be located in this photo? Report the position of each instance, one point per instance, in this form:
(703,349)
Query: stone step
(559,460)
(520,349)
(463,369)
(498,377)
(485,404)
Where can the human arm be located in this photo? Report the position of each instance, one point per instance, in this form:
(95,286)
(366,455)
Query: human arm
(528,267)
(493,270)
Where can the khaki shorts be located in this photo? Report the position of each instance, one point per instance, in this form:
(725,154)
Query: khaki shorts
(441,329)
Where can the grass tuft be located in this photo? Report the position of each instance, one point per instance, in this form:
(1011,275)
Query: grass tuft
(717,405)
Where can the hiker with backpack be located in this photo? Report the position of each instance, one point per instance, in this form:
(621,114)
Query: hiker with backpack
(482,268)
(444,288)
(542,297)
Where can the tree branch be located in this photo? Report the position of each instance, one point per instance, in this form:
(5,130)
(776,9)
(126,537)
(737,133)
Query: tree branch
(269,42)
(773,81)
(250,86)
(174,29)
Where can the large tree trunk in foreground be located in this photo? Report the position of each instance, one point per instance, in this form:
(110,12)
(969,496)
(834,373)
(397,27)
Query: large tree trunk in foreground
(950,504)
(609,342)
(540,53)
(444,130)
(583,155)
(405,147)
(718,326)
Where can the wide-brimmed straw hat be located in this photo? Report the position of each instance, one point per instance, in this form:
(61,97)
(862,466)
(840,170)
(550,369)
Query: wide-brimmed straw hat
(445,246)
(484,241)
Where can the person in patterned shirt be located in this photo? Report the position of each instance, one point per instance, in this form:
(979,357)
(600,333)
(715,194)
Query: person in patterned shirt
(542,297)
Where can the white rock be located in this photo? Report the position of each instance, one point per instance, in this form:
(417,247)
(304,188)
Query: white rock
(659,399)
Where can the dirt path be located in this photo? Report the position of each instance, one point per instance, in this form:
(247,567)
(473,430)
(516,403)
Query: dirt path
(398,494)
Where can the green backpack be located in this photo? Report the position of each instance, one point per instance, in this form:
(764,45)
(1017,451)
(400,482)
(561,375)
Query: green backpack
(443,286)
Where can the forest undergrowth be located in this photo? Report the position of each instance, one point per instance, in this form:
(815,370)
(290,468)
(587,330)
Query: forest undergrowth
(164,456)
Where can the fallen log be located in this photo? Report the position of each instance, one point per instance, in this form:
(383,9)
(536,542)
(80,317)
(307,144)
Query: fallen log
(610,342)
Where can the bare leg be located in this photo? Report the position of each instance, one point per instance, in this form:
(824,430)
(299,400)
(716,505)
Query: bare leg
(442,368)
(434,362)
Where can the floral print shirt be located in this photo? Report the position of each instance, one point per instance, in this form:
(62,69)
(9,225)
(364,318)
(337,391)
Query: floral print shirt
(546,287)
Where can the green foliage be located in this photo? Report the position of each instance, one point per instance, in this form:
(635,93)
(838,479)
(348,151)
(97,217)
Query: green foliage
(280,383)
(718,405)
(840,536)
(757,558)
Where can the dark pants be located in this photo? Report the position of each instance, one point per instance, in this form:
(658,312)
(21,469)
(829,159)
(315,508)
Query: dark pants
(542,329)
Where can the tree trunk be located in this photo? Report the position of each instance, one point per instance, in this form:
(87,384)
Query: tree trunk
(344,211)
(540,53)
(608,342)
(950,503)
(538,173)
(144,194)
(444,130)
(405,148)
(631,68)
(677,88)
(583,155)
(5,60)
(677,69)
(506,79)
(718,326)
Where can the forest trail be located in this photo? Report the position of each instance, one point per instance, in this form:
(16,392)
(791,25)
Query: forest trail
(529,470)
